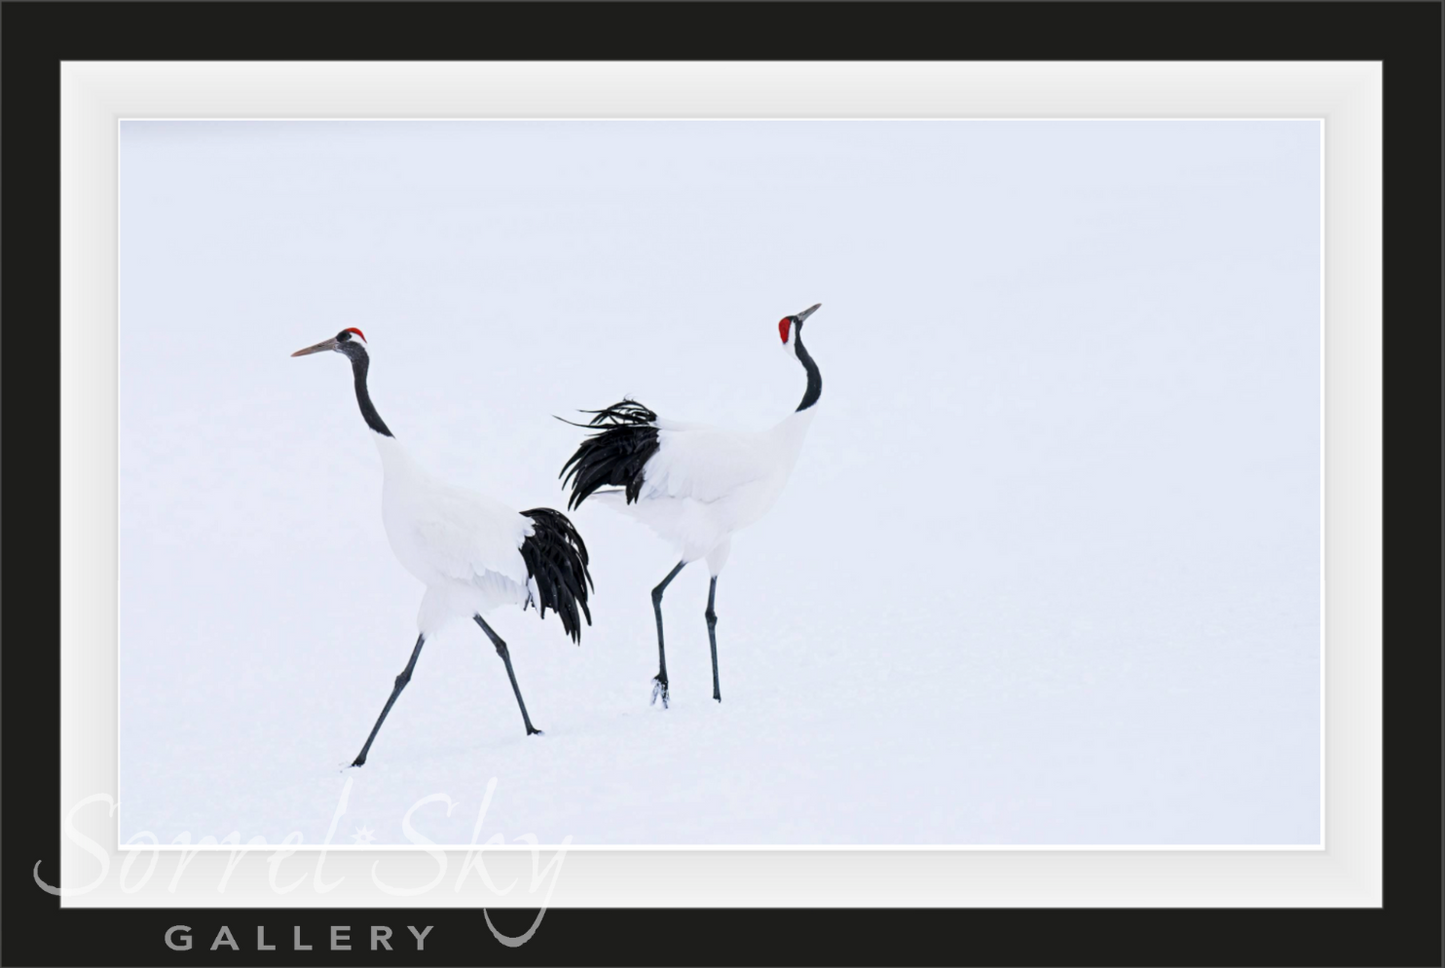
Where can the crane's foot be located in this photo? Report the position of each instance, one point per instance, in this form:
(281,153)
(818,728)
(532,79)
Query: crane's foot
(659,688)
(533,731)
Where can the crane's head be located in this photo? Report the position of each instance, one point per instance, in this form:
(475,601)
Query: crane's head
(352,345)
(790,328)
(349,343)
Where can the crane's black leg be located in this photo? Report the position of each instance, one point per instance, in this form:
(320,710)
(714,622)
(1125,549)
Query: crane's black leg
(396,689)
(659,681)
(507,659)
(712,636)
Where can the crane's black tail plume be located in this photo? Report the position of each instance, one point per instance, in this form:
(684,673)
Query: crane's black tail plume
(626,439)
(557,564)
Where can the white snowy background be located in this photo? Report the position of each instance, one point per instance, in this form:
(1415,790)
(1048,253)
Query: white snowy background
(1046,573)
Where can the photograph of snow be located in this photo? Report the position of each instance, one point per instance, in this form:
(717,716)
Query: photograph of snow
(928,482)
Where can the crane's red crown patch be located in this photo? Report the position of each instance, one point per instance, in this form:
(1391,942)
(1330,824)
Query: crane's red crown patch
(784,325)
(353,329)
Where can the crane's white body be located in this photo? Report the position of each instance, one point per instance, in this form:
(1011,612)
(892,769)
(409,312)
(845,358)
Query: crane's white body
(704,483)
(463,546)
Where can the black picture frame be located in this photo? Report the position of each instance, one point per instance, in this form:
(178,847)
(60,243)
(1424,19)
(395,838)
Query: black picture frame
(1405,36)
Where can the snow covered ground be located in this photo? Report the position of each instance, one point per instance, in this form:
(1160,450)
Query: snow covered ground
(1047,571)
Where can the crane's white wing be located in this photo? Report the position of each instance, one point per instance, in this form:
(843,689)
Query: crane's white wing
(470,538)
(704,463)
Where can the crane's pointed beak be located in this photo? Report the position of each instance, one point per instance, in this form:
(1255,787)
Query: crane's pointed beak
(809,311)
(321,347)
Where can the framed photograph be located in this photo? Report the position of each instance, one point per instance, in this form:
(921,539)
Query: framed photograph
(921,498)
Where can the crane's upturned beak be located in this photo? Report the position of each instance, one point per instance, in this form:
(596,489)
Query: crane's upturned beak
(809,311)
(324,345)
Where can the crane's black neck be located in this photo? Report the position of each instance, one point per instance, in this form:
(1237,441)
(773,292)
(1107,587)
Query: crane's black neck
(815,379)
(360,362)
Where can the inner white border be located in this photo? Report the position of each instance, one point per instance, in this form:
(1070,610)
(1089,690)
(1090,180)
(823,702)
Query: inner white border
(1346,96)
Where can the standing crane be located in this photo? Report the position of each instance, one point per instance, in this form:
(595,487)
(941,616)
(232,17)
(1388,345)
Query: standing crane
(692,485)
(472,553)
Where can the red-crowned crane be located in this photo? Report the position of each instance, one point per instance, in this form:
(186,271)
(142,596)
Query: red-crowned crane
(472,553)
(693,485)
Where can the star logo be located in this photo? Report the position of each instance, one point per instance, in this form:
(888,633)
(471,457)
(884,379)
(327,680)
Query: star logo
(363,835)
